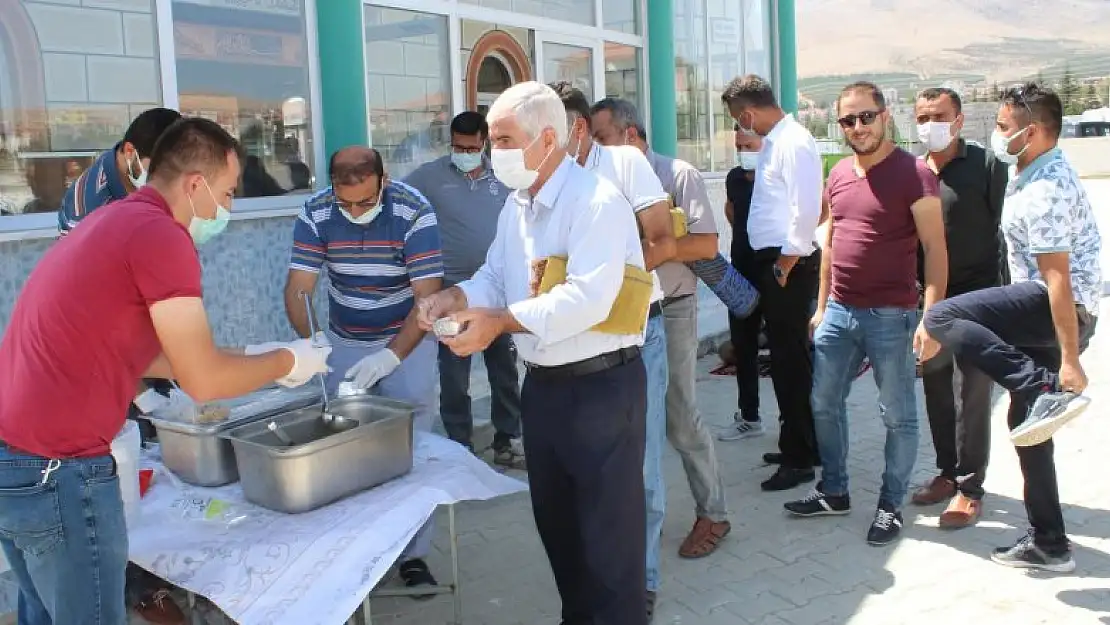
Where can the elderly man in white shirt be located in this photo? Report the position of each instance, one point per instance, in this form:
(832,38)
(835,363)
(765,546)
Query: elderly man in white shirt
(782,224)
(583,402)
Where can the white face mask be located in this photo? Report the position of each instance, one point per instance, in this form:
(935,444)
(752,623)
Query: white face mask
(747,160)
(369,215)
(136,181)
(509,167)
(1000,145)
(935,135)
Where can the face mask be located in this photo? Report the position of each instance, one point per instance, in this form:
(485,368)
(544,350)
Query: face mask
(747,160)
(746,131)
(204,230)
(466,163)
(1000,144)
(136,181)
(509,167)
(369,215)
(935,135)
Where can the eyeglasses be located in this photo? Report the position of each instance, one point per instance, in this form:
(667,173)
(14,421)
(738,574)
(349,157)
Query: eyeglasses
(367,203)
(866,117)
(465,149)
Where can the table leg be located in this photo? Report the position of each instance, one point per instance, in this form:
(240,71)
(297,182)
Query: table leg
(367,618)
(456,592)
(194,615)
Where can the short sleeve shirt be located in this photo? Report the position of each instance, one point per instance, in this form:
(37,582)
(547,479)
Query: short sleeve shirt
(100,184)
(1047,211)
(683,182)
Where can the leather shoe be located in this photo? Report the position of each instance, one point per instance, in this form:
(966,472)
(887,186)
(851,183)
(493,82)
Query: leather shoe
(786,478)
(775,457)
(937,490)
(962,511)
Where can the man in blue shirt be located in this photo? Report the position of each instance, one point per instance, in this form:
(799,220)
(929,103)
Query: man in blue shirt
(116,172)
(380,243)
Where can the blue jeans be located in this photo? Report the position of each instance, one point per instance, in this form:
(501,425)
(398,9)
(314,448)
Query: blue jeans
(65,539)
(885,336)
(655,490)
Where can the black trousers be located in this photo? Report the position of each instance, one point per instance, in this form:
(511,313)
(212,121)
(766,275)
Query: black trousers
(960,427)
(786,311)
(1007,332)
(584,439)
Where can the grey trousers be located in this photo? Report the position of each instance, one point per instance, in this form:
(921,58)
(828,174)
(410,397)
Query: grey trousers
(958,401)
(685,429)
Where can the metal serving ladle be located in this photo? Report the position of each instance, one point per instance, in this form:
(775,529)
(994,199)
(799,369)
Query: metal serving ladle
(314,329)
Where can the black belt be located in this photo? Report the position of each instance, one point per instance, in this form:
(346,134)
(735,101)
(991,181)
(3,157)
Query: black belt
(655,310)
(597,364)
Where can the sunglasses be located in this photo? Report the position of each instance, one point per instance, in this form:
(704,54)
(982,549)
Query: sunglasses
(866,117)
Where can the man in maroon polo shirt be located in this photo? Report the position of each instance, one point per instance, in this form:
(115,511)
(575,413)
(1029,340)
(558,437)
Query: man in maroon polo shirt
(881,203)
(117,300)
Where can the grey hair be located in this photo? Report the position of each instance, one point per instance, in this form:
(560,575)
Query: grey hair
(535,107)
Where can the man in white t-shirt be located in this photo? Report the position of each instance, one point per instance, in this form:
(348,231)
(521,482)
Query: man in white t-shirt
(628,169)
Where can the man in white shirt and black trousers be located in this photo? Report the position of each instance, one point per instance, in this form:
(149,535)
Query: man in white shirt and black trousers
(785,211)
(583,402)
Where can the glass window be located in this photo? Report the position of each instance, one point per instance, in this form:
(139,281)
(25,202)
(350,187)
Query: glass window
(578,11)
(71,80)
(245,66)
(757,38)
(692,82)
(726,45)
(622,73)
(408,80)
(493,58)
(622,15)
(573,64)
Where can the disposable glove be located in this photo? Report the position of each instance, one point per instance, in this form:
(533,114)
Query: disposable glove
(368,371)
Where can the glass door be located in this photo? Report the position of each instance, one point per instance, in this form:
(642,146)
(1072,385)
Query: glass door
(577,61)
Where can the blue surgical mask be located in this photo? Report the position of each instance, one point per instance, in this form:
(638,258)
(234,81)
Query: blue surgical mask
(1000,145)
(747,160)
(465,162)
(204,229)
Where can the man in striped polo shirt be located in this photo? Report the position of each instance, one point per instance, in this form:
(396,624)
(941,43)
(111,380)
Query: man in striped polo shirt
(380,243)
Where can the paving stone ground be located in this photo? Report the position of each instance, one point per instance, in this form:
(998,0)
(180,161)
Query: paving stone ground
(773,570)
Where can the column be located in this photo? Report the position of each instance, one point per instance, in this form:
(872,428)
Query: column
(787,62)
(661,73)
(342,75)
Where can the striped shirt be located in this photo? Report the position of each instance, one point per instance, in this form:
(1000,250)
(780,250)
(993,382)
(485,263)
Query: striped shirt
(99,185)
(371,267)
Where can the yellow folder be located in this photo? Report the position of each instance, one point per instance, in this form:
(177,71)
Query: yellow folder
(629,312)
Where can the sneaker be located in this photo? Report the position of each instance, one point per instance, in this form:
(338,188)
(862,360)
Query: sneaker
(886,527)
(509,454)
(817,503)
(1025,554)
(1050,412)
(415,573)
(741,429)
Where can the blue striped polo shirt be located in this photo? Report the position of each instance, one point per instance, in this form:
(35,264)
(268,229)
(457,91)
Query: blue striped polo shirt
(371,267)
(97,186)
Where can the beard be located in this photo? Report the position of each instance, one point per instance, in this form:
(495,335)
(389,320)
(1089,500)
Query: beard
(865,150)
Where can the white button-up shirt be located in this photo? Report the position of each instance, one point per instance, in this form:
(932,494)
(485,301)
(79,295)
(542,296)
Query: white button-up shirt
(626,167)
(583,217)
(786,201)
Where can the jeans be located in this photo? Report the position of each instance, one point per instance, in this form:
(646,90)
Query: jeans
(961,429)
(655,489)
(65,539)
(885,336)
(685,429)
(504,382)
(1008,333)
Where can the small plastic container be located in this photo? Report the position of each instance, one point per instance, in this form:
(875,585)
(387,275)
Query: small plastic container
(125,449)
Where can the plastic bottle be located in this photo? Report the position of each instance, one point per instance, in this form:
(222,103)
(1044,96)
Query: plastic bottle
(125,449)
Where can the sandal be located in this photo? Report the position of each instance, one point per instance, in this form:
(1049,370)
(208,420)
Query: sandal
(704,538)
(159,608)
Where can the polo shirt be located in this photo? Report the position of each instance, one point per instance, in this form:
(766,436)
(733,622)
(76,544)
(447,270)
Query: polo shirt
(1047,211)
(97,186)
(466,210)
(370,267)
(683,182)
(80,336)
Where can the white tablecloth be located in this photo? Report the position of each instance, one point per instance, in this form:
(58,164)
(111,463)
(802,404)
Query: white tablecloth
(311,568)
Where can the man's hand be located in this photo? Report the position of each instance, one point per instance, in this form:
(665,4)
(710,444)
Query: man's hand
(480,326)
(370,370)
(815,322)
(1072,377)
(924,346)
(436,306)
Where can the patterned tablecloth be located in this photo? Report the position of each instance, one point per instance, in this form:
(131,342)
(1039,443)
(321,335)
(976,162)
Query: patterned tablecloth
(263,567)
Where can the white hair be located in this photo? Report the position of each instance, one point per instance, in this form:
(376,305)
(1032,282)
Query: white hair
(535,107)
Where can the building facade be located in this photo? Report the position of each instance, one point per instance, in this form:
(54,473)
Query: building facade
(296,79)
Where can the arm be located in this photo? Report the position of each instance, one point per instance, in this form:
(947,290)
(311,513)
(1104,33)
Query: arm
(299,281)
(803,190)
(929,220)
(411,333)
(692,197)
(307,259)
(825,283)
(650,203)
(1048,226)
(1056,271)
(658,240)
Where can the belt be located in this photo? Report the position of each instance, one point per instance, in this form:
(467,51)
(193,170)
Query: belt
(655,310)
(597,364)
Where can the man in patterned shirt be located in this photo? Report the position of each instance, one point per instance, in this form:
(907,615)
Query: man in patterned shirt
(1028,335)
(380,243)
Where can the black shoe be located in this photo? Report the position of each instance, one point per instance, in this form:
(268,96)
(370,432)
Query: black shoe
(787,477)
(415,573)
(817,503)
(772,458)
(1050,412)
(886,527)
(1025,554)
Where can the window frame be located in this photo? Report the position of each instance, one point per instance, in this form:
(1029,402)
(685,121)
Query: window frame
(45,225)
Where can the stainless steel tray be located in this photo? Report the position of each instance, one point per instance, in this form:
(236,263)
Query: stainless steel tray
(368,443)
(198,453)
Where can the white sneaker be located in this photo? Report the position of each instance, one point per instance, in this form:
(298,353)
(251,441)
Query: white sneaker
(741,429)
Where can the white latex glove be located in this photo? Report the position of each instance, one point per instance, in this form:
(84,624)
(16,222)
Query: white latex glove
(368,371)
(308,360)
(263,348)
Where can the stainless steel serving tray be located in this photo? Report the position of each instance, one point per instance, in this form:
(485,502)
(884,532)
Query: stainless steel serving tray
(370,442)
(197,452)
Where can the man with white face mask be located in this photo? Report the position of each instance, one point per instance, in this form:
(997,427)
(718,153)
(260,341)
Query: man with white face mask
(379,241)
(116,172)
(972,187)
(584,397)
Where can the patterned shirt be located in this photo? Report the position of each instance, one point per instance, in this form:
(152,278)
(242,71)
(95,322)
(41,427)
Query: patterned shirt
(371,267)
(1047,211)
(99,185)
